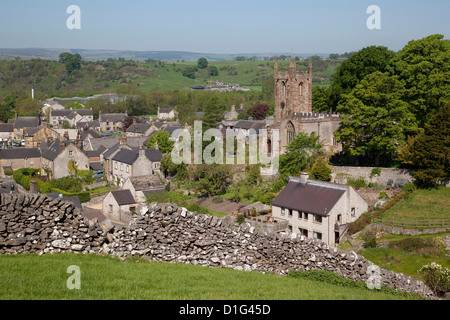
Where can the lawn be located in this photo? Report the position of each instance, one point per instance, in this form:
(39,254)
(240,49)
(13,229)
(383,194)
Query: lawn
(422,204)
(45,277)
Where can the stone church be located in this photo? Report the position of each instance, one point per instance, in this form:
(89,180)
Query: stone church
(293,109)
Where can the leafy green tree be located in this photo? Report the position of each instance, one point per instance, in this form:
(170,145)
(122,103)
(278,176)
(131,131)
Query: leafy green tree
(375,121)
(71,61)
(170,168)
(300,154)
(162,138)
(424,66)
(189,72)
(212,179)
(321,170)
(321,99)
(213,113)
(202,63)
(359,65)
(428,153)
(213,71)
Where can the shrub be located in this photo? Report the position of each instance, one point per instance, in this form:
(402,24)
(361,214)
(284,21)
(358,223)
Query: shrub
(375,172)
(9,172)
(68,184)
(240,219)
(409,187)
(383,195)
(418,244)
(370,240)
(436,278)
(359,223)
(360,182)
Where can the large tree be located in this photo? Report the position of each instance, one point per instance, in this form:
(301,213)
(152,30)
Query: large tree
(300,154)
(71,61)
(162,138)
(359,65)
(424,65)
(428,153)
(375,121)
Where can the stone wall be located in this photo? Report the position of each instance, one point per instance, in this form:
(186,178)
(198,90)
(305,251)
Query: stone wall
(341,174)
(37,224)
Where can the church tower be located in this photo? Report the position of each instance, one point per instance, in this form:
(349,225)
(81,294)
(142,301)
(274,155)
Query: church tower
(293,91)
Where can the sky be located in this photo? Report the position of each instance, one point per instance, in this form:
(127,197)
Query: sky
(226,26)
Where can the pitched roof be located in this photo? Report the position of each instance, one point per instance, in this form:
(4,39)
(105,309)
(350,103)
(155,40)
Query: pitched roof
(23,122)
(112,117)
(52,151)
(166,110)
(6,127)
(126,156)
(20,153)
(312,197)
(139,128)
(153,155)
(123,197)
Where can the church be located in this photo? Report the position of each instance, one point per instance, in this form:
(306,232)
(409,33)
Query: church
(293,110)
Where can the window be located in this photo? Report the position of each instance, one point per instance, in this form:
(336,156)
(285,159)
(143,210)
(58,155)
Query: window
(31,162)
(115,165)
(300,214)
(300,87)
(110,208)
(317,218)
(353,212)
(317,235)
(305,215)
(290,228)
(303,232)
(290,213)
(339,218)
(128,168)
(121,167)
(282,211)
(290,131)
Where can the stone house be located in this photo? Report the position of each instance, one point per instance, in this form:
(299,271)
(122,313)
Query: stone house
(6,134)
(118,205)
(167,114)
(131,163)
(318,209)
(60,156)
(34,137)
(23,124)
(140,129)
(19,158)
(234,114)
(112,121)
(72,116)
(142,186)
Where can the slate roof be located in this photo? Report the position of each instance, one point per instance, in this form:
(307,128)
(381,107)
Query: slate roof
(20,153)
(96,166)
(112,117)
(139,128)
(26,122)
(123,197)
(52,151)
(6,127)
(310,197)
(130,156)
(166,110)
(148,182)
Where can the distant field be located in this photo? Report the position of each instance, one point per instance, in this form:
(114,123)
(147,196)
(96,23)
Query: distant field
(44,277)
(49,77)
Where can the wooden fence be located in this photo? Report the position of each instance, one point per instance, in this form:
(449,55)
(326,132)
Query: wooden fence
(413,223)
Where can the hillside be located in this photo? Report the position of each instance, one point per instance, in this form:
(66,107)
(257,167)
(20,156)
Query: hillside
(51,79)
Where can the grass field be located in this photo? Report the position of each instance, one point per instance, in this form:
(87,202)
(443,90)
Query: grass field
(45,277)
(423,204)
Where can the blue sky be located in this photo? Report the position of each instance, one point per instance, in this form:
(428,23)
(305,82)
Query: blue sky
(228,26)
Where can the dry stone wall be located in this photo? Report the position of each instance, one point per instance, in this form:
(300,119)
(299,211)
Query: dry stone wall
(165,232)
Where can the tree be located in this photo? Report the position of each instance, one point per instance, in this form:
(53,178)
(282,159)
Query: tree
(212,113)
(428,153)
(424,66)
(162,138)
(321,170)
(213,71)
(212,179)
(202,63)
(321,98)
(300,154)
(71,61)
(354,69)
(375,121)
(189,72)
(260,111)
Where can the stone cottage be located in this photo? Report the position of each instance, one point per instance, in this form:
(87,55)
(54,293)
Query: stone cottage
(112,121)
(118,205)
(19,158)
(59,158)
(143,186)
(167,114)
(318,209)
(131,163)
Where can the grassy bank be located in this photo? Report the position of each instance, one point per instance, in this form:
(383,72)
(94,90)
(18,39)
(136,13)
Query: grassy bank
(45,277)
